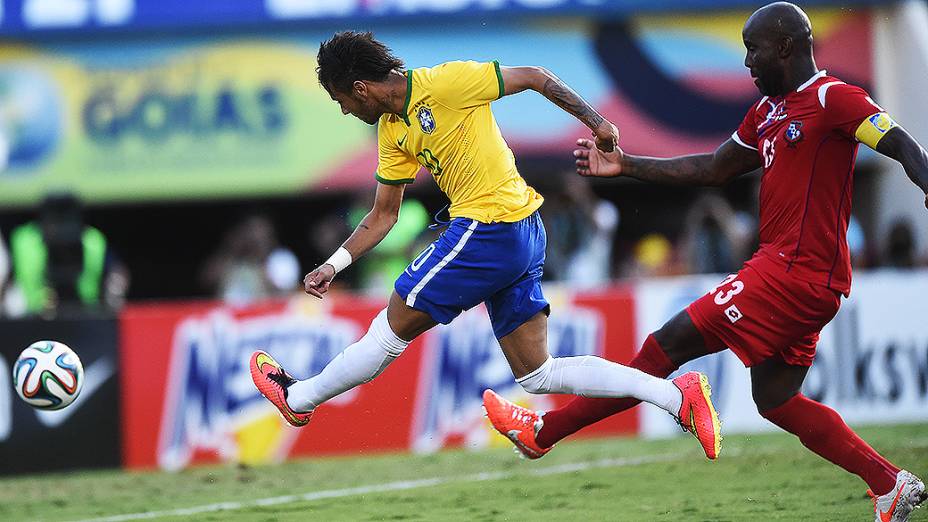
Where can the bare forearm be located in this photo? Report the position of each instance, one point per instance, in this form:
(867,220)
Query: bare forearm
(566,98)
(915,163)
(683,170)
(899,145)
(369,233)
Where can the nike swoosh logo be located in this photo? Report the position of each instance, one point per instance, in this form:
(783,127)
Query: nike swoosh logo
(95,376)
(887,516)
(264,359)
(403,140)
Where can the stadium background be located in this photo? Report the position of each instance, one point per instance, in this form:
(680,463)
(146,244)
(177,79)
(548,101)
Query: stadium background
(173,121)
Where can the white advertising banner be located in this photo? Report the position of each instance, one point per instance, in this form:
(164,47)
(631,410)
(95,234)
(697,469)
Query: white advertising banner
(871,363)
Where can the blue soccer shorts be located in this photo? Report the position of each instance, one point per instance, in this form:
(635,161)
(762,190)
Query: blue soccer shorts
(473,262)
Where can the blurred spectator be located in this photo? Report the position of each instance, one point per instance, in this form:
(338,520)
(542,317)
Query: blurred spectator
(857,244)
(716,239)
(250,264)
(581,230)
(380,267)
(900,246)
(4,269)
(60,263)
(653,257)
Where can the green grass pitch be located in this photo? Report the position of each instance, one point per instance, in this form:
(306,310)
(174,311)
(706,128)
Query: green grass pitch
(758,477)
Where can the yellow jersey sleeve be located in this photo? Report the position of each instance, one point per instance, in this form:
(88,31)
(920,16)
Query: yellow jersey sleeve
(394,166)
(872,129)
(462,85)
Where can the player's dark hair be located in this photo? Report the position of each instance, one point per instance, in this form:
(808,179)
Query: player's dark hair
(350,56)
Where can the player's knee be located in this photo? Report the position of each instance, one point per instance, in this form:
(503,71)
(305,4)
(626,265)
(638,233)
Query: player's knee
(385,337)
(539,380)
(679,339)
(766,400)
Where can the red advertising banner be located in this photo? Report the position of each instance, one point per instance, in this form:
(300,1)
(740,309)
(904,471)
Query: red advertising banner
(187,395)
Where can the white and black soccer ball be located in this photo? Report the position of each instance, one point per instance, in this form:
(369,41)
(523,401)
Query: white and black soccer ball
(48,375)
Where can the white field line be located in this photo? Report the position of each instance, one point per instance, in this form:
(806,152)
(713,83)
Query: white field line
(392,486)
(434,481)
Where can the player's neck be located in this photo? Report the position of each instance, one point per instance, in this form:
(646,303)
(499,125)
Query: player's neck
(396,92)
(800,72)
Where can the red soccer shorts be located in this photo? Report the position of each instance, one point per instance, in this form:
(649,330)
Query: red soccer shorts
(762,311)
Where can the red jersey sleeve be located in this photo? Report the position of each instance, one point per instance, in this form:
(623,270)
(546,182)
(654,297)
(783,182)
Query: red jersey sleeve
(746,135)
(846,107)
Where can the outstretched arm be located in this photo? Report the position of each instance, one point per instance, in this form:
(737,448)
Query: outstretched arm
(539,79)
(728,161)
(373,228)
(902,147)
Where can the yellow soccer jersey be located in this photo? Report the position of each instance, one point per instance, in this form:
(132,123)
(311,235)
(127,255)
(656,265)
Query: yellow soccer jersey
(448,128)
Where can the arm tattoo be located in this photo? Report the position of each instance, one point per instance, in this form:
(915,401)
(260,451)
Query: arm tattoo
(728,161)
(362,225)
(685,170)
(564,97)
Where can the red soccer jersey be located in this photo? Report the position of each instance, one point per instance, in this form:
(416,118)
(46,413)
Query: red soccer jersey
(807,147)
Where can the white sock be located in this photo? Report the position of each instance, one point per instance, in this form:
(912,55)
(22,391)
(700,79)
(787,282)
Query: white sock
(590,376)
(358,364)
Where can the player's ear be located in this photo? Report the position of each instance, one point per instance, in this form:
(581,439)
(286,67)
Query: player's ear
(359,88)
(785,47)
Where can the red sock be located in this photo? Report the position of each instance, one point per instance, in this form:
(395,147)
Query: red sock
(823,431)
(584,411)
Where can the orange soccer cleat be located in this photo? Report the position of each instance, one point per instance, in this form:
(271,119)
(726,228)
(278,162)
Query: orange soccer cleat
(272,381)
(518,424)
(697,415)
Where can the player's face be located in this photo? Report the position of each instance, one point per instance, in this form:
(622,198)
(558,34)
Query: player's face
(358,103)
(762,58)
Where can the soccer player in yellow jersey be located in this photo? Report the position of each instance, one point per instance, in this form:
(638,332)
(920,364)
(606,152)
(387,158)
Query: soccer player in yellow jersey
(492,251)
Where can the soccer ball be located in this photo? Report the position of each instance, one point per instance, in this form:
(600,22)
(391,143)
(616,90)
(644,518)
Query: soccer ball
(48,375)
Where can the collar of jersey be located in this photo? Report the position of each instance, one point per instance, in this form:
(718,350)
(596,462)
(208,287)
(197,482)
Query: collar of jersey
(408,97)
(809,82)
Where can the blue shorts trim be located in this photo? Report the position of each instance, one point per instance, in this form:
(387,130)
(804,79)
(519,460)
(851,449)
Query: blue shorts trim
(500,264)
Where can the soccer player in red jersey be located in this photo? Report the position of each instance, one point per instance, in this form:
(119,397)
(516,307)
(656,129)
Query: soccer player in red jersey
(804,133)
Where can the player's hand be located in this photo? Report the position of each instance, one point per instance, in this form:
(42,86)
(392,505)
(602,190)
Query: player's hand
(606,136)
(317,282)
(593,162)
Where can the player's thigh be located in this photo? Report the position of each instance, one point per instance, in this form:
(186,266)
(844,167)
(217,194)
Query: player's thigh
(749,315)
(454,273)
(526,347)
(774,381)
(407,322)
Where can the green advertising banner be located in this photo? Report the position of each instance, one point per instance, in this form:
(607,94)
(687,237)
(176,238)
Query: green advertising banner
(129,122)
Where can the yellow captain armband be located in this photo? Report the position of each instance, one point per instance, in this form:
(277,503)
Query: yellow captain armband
(872,130)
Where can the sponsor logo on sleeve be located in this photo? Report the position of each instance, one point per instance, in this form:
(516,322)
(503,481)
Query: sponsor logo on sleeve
(881,122)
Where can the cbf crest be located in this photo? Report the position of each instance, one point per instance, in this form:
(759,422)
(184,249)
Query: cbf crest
(793,132)
(426,120)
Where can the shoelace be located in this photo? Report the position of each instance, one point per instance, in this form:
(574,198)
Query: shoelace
(521,417)
(282,378)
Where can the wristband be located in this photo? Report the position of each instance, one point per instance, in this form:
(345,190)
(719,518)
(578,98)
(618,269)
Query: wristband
(339,260)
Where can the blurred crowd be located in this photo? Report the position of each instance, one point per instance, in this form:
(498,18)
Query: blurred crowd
(56,262)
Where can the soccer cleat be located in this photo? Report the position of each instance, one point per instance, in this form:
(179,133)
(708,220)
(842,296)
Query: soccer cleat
(518,424)
(697,415)
(896,505)
(272,381)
